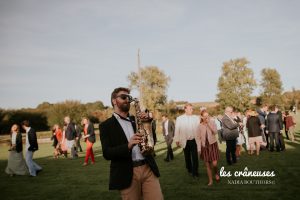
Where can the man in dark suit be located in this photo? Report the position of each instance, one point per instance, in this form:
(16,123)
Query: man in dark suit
(280,137)
(274,126)
(71,136)
(132,173)
(153,128)
(262,113)
(31,147)
(230,133)
(168,128)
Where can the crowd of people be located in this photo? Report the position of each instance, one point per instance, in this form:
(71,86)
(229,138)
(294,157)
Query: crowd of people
(65,141)
(256,130)
(16,164)
(68,140)
(135,174)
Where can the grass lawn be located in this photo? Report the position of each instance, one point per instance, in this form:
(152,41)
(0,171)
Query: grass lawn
(67,179)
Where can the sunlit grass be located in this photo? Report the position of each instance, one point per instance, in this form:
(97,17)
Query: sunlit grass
(67,179)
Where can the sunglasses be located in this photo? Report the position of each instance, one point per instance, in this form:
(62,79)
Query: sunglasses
(124,97)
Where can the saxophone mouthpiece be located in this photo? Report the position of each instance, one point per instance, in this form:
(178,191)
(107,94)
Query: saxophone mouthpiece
(131,99)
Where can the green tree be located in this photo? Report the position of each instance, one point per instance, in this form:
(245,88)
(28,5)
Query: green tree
(271,86)
(153,84)
(94,106)
(236,84)
(58,111)
(44,106)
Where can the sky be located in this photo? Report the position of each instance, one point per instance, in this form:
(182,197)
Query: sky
(51,51)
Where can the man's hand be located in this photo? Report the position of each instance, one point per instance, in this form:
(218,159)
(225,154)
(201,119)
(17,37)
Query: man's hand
(144,115)
(135,139)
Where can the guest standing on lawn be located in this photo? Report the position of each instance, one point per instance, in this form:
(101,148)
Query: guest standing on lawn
(274,128)
(31,147)
(208,146)
(230,133)
(290,124)
(254,128)
(71,135)
(245,131)
(185,131)
(168,128)
(57,136)
(16,164)
(90,139)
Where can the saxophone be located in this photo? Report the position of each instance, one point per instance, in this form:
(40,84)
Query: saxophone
(144,128)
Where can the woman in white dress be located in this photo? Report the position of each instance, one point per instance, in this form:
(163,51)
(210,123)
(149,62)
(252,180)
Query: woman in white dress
(16,164)
(247,146)
(240,140)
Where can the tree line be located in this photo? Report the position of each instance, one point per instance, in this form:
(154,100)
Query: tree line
(237,83)
(235,87)
(45,115)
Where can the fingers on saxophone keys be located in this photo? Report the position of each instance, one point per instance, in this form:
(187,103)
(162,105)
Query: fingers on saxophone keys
(136,139)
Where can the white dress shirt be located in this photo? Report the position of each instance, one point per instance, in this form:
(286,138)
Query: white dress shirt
(186,128)
(13,138)
(218,124)
(166,127)
(129,132)
(27,140)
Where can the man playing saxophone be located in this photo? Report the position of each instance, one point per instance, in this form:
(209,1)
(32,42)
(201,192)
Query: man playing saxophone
(135,175)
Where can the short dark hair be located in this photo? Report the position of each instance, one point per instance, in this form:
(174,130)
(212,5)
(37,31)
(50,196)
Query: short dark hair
(187,105)
(272,107)
(26,123)
(164,115)
(116,91)
(287,112)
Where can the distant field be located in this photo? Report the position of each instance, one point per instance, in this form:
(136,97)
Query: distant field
(67,179)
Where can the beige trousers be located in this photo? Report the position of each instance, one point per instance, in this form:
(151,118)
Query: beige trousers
(144,185)
(292,133)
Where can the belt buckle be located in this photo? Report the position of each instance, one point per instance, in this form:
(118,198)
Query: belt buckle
(138,163)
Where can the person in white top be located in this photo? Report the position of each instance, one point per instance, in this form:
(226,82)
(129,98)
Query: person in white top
(16,164)
(185,131)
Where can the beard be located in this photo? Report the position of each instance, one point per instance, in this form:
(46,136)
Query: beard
(124,107)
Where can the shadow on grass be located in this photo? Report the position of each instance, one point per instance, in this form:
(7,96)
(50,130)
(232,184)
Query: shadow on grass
(61,178)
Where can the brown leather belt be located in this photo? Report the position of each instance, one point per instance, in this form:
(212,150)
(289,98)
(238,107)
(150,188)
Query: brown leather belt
(138,163)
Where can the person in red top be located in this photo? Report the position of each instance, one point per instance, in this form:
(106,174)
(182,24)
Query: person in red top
(290,125)
(57,135)
(90,138)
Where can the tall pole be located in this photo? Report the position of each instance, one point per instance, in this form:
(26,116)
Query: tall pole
(140,80)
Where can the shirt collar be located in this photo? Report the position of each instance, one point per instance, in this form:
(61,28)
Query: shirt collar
(123,118)
(228,116)
(27,129)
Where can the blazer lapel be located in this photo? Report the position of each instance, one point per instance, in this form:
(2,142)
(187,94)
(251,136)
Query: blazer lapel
(132,119)
(169,126)
(119,129)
